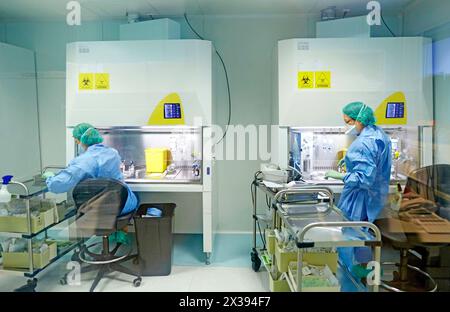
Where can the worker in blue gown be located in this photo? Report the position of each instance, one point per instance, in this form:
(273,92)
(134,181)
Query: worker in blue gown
(97,161)
(366,182)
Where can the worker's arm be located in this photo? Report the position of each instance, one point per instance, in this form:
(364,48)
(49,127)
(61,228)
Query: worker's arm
(66,179)
(364,166)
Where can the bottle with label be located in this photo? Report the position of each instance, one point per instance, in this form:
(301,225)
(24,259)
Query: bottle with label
(396,200)
(5,196)
(131,170)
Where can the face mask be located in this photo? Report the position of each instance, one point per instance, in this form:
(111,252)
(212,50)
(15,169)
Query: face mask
(351,130)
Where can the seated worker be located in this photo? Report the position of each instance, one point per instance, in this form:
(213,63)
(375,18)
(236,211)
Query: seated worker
(97,161)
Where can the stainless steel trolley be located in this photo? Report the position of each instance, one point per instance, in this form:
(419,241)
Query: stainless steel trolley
(313,223)
(30,190)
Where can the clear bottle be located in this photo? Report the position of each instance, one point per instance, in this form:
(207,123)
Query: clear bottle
(5,196)
(131,170)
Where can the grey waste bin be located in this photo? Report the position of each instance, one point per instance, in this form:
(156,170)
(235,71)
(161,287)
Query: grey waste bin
(154,240)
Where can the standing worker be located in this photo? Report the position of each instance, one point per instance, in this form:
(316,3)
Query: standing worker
(97,161)
(366,183)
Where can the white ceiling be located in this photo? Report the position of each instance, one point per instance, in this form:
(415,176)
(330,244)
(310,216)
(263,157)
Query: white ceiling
(111,9)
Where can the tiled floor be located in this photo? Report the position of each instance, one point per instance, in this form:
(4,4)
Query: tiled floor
(230,270)
(181,279)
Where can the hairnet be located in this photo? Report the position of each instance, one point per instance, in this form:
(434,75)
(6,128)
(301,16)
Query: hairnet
(87,134)
(359,112)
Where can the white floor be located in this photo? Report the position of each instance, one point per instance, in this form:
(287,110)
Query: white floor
(182,279)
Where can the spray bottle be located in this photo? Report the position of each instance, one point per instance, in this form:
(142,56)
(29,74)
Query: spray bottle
(5,196)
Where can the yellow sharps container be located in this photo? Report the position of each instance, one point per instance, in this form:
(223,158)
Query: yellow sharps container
(156,159)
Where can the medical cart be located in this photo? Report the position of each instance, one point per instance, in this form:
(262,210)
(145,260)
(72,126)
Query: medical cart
(309,214)
(27,191)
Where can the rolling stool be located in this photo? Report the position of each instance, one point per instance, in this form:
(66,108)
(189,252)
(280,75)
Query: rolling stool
(402,281)
(106,261)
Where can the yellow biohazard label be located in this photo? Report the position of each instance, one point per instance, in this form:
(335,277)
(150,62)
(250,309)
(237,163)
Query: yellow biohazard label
(305,80)
(86,81)
(102,81)
(323,79)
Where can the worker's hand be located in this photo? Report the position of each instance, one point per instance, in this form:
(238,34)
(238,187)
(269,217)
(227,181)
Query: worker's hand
(335,175)
(47,175)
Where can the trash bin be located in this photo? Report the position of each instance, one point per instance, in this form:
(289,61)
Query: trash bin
(154,239)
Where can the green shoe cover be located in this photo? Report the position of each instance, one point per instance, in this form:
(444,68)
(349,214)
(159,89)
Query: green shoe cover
(119,237)
(361,271)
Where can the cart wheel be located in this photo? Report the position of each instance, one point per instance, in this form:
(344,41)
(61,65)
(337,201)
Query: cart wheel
(256,265)
(137,282)
(256,262)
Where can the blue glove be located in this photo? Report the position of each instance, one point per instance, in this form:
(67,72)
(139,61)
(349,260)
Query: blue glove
(335,175)
(47,175)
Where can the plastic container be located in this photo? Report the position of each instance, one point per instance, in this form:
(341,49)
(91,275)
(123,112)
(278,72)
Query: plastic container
(283,258)
(19,224)
(332,281)
(278,285)
(270,241)
(21,260)
(154,240)
(156,159)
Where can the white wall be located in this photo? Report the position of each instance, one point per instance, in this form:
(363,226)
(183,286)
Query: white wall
(49,40)
(19,152)
(2,32)
(246,43)
(425,15)
(431,19)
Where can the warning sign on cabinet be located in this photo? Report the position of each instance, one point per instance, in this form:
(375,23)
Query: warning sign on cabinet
(86,81)
(102,81)
(93,81)
(323,79)
(305,80)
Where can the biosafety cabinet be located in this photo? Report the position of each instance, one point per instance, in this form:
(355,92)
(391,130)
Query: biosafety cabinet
(318,77)
(153,95)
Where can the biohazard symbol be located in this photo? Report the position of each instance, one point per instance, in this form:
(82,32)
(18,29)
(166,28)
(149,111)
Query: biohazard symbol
(305,80)
(323,79)
(86,81)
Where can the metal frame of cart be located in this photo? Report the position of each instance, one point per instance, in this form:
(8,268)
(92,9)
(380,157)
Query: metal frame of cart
(301,232)
(32,272)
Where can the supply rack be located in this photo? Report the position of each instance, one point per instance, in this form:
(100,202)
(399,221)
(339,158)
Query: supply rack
(31,190)
(311,228)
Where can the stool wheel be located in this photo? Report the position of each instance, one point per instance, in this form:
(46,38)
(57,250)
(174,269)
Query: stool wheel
(137,282)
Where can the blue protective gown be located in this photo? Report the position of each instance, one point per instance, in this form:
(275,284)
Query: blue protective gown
(98,161)
(366,184)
